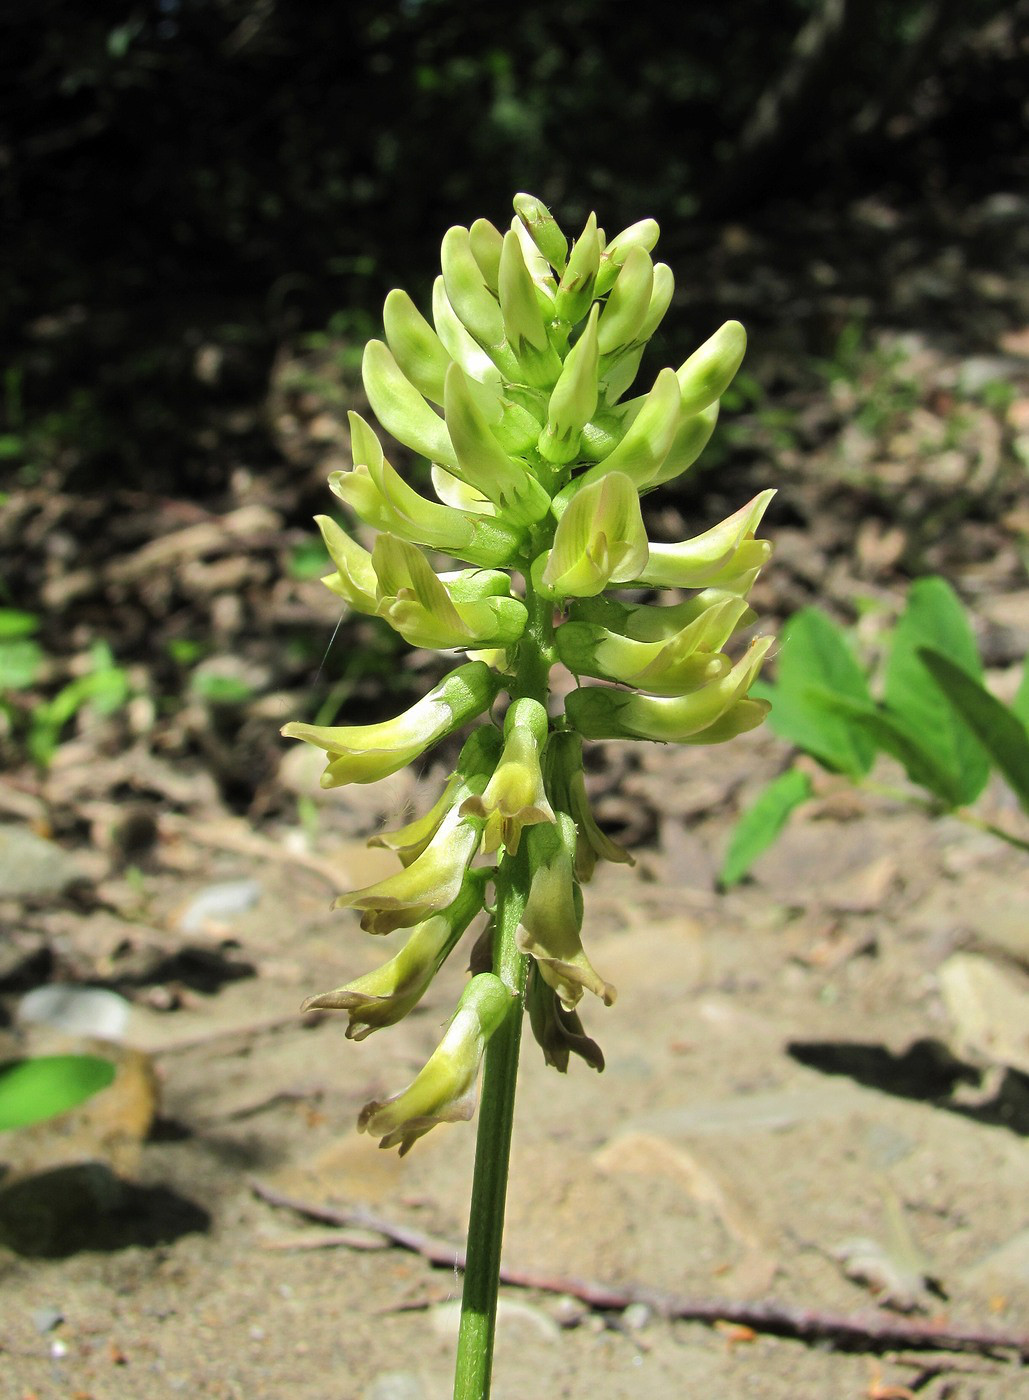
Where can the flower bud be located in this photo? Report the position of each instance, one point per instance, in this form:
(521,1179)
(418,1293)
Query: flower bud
(445,1091)
(626,308)
(463,350)
(401,409)
(647,441)
(598,712)
(728,548)
(471,298)
(543,229)
(523,321)
(385,996)
(481,462)
(709,371)
(552,917)
(486,242)
(575,290)
(574,398)
(600,539)
(691,437)
(643,234)
(618,370)
(364,753)
(417,349)
(514,797)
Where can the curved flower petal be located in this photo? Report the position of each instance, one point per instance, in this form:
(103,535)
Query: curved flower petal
(600,712)
(477,759)
(364,753)
(385,996)
(558,1031)
(445,1090)
(728,548)
(600,539)
(429,884)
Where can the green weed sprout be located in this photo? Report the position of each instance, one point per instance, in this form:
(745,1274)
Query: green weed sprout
(514,393)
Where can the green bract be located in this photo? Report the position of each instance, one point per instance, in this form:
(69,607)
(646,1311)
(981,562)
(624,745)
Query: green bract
(514,388)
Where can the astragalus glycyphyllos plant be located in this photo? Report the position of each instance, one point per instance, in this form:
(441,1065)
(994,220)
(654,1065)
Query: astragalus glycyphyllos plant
(515,393)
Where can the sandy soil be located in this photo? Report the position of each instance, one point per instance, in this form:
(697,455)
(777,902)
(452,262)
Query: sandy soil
(787,1113)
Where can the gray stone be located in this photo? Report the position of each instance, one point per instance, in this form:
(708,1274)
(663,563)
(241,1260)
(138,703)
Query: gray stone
(33,868)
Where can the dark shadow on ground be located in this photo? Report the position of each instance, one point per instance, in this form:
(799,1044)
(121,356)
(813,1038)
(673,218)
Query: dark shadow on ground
(54,1214)
(928,1071)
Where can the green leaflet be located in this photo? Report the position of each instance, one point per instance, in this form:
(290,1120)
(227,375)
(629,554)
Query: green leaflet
(934,618)
(814,661)
(999,730)
(761,823)
(42,1087)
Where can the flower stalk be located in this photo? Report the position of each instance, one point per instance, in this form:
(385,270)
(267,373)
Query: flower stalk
(514,392)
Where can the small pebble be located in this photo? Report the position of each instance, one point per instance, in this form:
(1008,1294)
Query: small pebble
(636,1316)
(218,902)
(46,1319)
(395,1385)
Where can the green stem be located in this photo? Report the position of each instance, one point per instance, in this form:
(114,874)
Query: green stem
(475,1342)
(961,814)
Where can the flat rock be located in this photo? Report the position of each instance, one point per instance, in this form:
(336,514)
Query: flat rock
(989,1007)
(31,868)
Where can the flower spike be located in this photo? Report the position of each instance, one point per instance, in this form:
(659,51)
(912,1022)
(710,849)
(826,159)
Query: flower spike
(517,388)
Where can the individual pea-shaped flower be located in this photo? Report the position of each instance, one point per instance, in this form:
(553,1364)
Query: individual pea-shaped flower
(478,756)
(364,753)
(600,539)
(445,1090)
(515,796)
(474,611)
(429,884)
(385,996)
(551,921)
(717,711)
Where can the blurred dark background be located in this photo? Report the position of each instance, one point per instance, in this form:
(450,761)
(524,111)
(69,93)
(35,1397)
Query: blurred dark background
(205,202)
(189,173)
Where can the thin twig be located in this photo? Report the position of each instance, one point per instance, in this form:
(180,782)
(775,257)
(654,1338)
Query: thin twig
(863,1332)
